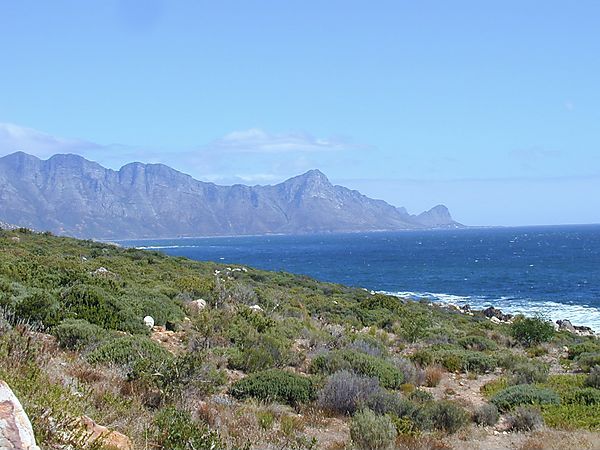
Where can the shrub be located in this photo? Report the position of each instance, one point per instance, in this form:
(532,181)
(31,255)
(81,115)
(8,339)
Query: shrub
(368,346)
(412,374)
(191,370)
(265,419)
(129,351)
(571,416)
(265,352)
(386,402)
(275,385)
(367,365)
(174,429)
(524,394)
(584,396)
(433,376)
(39,306)
(446,416)
(478,363)
(486,415)
(456,359)
(492,387)
(77,334)
(372,432)
(531,331)
(345,392)
(593,379)
(478,343)
(584,347)
(420,396)
(586,361)
(97,306)
(537,351)
(529,372)
(525,419)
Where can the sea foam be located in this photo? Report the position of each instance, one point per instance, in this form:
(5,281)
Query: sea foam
(578,314)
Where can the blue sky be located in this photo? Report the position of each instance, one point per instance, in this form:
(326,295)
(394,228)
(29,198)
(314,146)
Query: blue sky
(492,108)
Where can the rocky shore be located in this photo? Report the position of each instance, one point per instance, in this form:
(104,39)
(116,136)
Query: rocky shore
(497,316)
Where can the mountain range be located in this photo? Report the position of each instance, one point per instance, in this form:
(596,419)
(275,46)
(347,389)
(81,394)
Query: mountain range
(69,195)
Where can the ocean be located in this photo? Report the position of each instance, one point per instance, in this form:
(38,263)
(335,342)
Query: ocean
(549,271)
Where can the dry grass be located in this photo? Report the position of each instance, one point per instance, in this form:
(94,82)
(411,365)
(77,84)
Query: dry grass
(433,375)
(560,440)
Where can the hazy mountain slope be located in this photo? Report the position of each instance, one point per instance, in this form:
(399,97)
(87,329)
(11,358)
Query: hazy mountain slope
(68,194)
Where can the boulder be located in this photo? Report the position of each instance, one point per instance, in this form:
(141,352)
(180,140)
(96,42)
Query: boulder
(97,434)
(498,314)
(15,428)
(256,308)
(565,325)
(149,321)
(196,306)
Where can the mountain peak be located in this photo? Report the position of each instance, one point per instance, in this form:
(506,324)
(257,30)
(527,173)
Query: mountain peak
(438,216)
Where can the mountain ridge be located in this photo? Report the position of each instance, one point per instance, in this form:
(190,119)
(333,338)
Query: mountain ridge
(68,194)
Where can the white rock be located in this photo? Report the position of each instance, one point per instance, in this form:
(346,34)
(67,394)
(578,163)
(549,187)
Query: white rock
(495,320)
(200,303)
(256,308)
(149,321)
(15,428)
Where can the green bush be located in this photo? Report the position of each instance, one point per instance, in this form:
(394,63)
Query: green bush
(265,352)
(99,307)
(361,363)
(524,394)
(584,347)
(531,331)
(456,359)
(593,379)
(129,351)
(372,432)
(584,396)
(446,416)
(191,370)
(175,430)
(77,334)
(40,306)
(572,416)
(275,385)
(478,343)
(420,396)
(528,373)
(587,361)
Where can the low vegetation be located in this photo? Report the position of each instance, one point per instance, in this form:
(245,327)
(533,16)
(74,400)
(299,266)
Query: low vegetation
(241,358)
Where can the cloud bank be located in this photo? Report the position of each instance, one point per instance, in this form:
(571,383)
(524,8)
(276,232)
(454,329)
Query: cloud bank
(256,140)
(15,138)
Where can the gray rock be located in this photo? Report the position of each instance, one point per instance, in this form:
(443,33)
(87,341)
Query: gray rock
(565,325)
(70,195)
(15,428)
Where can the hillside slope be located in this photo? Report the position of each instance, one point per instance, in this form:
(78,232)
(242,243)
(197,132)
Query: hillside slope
(240,358)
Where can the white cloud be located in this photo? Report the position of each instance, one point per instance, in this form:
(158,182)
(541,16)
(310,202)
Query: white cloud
(256,140)
(15,138)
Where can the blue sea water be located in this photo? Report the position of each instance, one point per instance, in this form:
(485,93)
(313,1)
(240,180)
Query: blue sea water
(552,271)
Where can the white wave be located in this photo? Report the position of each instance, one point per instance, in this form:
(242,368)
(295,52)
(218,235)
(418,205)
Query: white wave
(578,314)
(159,247)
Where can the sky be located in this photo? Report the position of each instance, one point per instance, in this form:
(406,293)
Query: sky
(491,108)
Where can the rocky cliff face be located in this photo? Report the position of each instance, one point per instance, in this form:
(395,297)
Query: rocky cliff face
(68,194)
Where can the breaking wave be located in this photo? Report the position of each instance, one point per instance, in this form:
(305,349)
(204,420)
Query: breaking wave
(578,314)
